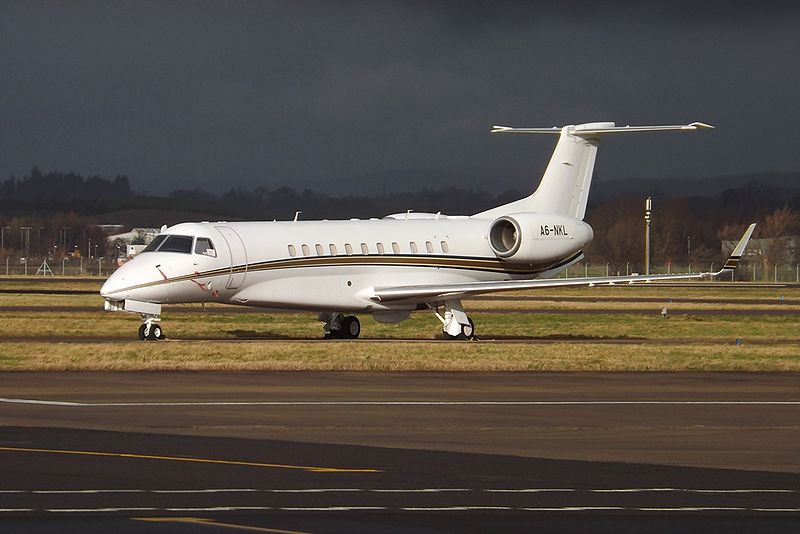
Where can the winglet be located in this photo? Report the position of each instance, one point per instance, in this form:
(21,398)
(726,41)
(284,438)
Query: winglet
(733,260)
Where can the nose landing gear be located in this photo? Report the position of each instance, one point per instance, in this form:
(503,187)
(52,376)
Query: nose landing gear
(150,330)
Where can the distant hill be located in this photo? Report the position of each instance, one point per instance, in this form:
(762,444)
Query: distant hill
(781,184)
(414,180)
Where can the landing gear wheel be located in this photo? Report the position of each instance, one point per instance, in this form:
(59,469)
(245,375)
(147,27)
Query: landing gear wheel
(467,331)
(157,331)
(351,327)
(151,332)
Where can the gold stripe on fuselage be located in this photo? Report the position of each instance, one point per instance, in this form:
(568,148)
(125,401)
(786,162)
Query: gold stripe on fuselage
(442,262)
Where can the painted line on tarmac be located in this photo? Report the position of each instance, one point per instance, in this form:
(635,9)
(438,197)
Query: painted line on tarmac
(73,404)
(356,508)
(404,490)
(214,523)
(307,468)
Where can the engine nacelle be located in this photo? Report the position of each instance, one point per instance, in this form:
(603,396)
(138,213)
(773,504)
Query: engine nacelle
(537,237)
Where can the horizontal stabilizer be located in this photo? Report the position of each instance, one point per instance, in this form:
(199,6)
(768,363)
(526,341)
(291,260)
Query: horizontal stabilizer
(598,128)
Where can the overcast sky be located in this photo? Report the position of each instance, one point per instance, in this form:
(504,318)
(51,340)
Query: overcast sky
(214,94)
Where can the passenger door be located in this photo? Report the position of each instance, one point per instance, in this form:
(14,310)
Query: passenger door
(238,256)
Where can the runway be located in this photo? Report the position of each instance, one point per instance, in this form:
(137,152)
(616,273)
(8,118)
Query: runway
(407,452)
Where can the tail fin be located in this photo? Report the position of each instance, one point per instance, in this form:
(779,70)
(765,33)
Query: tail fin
(564,188)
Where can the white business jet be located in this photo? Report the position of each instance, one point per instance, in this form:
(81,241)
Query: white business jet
(385,267)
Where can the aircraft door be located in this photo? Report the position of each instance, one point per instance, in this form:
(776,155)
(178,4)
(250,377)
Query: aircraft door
(238,256)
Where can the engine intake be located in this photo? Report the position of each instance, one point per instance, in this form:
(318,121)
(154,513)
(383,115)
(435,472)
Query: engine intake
(505,237)
(537,237)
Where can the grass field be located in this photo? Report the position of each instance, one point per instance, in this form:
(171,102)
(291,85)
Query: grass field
(541,334)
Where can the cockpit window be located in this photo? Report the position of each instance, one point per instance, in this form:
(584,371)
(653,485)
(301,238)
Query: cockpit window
(177,243)
(154,243)
(204,246)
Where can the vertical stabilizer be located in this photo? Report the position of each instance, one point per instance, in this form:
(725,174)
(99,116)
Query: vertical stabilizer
(564,188)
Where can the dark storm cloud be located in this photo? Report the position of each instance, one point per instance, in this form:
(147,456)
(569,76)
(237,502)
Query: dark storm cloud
(217,94)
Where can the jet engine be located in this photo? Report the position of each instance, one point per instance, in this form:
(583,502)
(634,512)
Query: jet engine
(537,237)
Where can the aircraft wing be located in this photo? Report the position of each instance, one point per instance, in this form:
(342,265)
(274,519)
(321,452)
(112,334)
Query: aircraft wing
(428,293)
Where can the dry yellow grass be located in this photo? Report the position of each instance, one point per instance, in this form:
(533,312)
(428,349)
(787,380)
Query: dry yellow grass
(701,342)
(400,356)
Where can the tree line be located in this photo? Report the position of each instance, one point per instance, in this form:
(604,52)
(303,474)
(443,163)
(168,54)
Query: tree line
(61,211)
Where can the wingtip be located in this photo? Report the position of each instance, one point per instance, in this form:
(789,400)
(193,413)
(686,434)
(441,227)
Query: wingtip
(738,251)
(702,126)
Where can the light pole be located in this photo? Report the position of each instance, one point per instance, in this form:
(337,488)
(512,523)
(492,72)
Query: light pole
(689,251)
(64,237)
(25,239)
(648,207)
(3,237)
(25,243)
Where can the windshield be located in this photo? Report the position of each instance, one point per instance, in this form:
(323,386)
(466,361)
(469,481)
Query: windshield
(177,243)
(154,244)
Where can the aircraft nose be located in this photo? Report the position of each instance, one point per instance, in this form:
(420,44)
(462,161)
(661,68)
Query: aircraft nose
(113,284)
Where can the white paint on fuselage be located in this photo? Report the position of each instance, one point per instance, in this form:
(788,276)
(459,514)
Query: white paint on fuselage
(336,286)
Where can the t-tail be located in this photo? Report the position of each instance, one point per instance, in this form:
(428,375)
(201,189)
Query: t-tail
(564,188)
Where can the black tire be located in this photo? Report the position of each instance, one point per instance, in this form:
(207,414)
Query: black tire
(155,332)
(468,331)
(351,327)
(141,331)
(158,332)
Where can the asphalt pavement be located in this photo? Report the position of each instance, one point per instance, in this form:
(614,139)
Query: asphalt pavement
(399,452)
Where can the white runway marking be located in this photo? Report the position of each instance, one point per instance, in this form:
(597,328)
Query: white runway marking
(333,508)
(70,404)
(531,490)
(314,490)
(691,490)
(573,508)
(421,490)
(213,490)
(455,508)
(405,490)
(217,509)
(72,492)
(100,510)
(659,509)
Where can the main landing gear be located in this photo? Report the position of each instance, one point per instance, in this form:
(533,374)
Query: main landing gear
(455,323)
(150,330)
(339,326)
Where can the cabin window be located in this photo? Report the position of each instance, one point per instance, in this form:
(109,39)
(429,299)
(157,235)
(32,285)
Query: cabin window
(429,246)
(306,250)
(413,247)
(154,243)
(445,248)
(364,248)
(332,248)
(348,248)
(177,243)
(395,248)
(292,251)
(318,248)
(381,250)
(204,246)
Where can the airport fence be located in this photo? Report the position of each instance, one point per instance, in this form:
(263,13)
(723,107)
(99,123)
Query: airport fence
(49,266)
(102,267)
